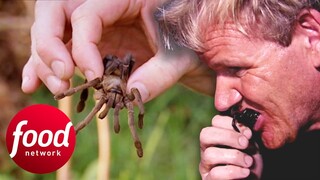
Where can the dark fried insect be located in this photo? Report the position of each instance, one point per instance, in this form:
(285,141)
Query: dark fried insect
(111,91)
(247,117)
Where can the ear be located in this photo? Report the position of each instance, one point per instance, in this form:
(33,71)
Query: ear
(308,26)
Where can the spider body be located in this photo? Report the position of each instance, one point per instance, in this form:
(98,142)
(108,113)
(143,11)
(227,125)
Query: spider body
(111,92)
(247,117)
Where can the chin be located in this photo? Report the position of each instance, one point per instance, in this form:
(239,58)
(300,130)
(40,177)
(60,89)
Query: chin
(275,140)
(277,134)
(272,140)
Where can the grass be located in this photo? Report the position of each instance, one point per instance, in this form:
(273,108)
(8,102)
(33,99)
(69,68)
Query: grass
(170,139)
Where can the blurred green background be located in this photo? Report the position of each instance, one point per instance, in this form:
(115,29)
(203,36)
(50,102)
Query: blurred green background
(170,139)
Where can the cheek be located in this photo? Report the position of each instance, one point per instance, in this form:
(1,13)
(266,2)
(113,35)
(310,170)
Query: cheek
(269,95)
(272,82)
(272,92)
(257,89)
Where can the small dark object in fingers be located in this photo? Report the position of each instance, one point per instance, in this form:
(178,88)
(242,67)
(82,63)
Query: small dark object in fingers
(247,117)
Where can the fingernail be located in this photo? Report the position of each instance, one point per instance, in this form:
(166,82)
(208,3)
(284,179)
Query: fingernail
(247,132)
(142,89)
(243,141)
(53,83)
(245,172)
(25,81)
(248,160)
(58,68)
(89,75)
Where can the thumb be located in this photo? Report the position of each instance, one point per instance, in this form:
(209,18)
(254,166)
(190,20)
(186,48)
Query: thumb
(162,71)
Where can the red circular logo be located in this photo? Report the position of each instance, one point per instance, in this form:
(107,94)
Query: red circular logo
(40,138)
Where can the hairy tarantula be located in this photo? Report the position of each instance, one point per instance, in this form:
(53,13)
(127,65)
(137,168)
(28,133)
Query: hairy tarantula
(111,90)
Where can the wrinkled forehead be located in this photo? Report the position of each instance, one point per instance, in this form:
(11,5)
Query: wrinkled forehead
(216,35)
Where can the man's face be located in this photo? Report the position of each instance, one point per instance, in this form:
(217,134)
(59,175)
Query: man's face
(279,82)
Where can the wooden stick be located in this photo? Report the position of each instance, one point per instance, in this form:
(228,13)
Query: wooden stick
(65,105)
(104,147)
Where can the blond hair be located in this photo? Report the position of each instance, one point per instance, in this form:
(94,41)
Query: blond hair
(184,21)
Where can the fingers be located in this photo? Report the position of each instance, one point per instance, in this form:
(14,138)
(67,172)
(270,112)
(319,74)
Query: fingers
(214,156)
(50,61)
(53,20)
(161,72)
(47,38)
(34,71)
(222,155)
(30,80)
(212,136)
(87,30)
(224,163)
(226,172)
(88,22)
(225,122)
(222,133)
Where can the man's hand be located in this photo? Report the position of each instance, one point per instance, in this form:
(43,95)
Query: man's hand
(223,152)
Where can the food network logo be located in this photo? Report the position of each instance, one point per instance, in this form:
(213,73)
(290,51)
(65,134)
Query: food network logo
(40,139)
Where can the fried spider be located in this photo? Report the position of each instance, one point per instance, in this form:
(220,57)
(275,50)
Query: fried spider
(111,91)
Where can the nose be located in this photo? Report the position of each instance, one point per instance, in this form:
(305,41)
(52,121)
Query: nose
(226,94)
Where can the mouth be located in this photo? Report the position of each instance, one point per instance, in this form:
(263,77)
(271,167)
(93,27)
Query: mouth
(259,123)
(248,117)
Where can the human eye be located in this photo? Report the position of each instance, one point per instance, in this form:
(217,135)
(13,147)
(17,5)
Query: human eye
(237,71)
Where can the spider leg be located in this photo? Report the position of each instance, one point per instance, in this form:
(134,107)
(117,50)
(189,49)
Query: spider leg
(73,90)
(110,64)
(83,97)
(90,116)
(135,94)
(234,125)
(127,66)
(137,142)
(109,104)
(116,117)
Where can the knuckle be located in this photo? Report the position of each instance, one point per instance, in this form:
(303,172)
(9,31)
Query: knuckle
(214,119)
(76,51)
(207,154)
(201,167)
(205,134)
(237,153)
(210,157)
(41,47)
(213,174)
(77,15)
(217,119)
(226,172)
